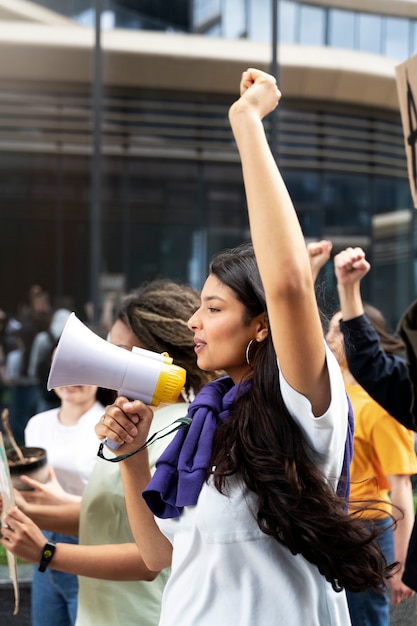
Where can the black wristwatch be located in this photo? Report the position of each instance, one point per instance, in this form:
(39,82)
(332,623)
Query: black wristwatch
(46,555)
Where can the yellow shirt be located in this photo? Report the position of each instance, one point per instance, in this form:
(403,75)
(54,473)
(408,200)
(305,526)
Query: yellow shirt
(381,447)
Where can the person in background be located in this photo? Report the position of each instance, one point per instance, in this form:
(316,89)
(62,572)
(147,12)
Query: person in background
(31,319)
(36,312)
(387,377)
(115,586)
(23,390)
(245,499)
(383,461)
(67,435)
(9,327)
(40,358)
(381,372)
(375,358)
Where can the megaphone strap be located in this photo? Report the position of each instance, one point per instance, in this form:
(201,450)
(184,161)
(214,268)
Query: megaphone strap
(181,422)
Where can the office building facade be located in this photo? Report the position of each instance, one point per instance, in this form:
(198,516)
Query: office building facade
(121,167)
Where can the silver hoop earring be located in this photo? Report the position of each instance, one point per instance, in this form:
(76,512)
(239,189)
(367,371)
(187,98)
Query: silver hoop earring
(247,351)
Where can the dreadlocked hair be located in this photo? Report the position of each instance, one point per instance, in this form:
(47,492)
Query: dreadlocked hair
(157,313)
(265,446)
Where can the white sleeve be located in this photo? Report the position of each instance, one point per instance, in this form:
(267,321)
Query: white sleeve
(34,432)
(327,433)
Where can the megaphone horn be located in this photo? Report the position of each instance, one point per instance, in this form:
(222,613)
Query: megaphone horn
(84,358)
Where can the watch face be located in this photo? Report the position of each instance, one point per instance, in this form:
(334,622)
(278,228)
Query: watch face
(47,553)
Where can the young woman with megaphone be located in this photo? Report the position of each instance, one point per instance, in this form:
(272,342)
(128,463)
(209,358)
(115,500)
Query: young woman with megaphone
(244,503)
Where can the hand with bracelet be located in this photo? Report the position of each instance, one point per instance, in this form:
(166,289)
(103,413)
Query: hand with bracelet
(22,537)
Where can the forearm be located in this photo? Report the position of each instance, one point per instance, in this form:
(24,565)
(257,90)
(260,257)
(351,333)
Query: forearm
(60,518)
(107,562)
(402,497)
(24,539)
(350,300)
(154,547)
(410,572)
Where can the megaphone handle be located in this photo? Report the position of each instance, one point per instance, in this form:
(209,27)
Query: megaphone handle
(111,444)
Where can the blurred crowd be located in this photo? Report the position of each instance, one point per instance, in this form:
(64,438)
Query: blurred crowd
(28,337)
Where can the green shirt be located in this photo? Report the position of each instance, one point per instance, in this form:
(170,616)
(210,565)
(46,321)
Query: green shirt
(104,521)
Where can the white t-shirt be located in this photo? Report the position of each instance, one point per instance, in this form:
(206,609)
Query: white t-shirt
(225,570)
(71,450)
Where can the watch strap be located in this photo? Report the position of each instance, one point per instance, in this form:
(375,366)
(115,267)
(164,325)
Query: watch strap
(46,555)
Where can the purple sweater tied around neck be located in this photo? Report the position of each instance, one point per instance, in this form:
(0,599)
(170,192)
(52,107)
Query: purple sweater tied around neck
(182,468)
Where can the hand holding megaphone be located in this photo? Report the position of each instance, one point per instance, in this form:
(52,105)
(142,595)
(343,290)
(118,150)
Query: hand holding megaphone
(129,423)
(84,358)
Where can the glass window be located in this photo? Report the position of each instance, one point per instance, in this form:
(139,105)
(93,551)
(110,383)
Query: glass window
(390,194)
(312,223)
(213,30)
(287,21)
(413,38)
(304,188)
(312,25)
(260,15)
(234,19)
(86,18)
(341,29)
(204,11)
(346,200)
(397,38)
(370,33)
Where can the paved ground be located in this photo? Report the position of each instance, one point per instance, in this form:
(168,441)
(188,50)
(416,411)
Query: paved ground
(7,604)
(405,613)
(7,597)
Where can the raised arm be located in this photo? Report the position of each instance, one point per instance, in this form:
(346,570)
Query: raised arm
(318,253)
(279,246)
(350,267)
(383,376)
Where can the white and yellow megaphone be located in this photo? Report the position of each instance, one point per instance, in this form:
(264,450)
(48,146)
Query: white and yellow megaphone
(84,358)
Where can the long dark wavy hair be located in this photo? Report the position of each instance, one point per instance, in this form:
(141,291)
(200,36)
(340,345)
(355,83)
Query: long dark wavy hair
(264,445)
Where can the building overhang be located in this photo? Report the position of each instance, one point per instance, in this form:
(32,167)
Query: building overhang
(395,8)
(63,55)
(25,11)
